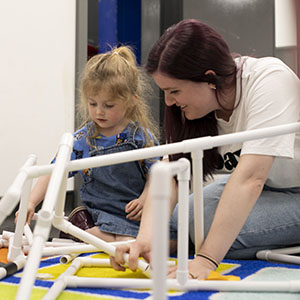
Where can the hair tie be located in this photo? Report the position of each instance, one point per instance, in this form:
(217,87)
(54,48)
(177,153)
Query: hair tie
(208,258)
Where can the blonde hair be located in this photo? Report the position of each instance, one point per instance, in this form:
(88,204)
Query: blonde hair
(117,73)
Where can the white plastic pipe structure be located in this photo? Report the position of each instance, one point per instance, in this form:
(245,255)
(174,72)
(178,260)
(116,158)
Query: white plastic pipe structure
(55,198)
(42,227)
(160,178)
(281,255)
(179,147)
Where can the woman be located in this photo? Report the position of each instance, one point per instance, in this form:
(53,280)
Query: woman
(208,92)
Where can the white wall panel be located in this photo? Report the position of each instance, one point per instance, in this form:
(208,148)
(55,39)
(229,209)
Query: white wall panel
(285,23)
(37,79)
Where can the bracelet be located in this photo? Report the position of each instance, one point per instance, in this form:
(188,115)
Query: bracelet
(208,258)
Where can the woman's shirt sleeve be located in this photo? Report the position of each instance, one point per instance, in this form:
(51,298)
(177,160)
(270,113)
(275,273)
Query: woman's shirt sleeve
(274,95)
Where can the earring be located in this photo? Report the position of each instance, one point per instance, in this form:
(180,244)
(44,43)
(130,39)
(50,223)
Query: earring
(212,86)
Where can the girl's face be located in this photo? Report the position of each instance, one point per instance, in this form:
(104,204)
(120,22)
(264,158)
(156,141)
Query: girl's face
(107,113)
(196,99)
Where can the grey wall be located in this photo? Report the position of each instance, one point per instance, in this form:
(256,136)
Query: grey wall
(81,59)
(247,26)
(150,34)
(157,15)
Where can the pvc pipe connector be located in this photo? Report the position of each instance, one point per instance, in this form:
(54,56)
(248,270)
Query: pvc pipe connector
(43,224)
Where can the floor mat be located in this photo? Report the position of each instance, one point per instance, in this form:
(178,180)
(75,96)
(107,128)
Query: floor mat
(51,268)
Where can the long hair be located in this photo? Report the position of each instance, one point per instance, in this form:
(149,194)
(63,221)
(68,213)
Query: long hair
(117,73)
(186,51)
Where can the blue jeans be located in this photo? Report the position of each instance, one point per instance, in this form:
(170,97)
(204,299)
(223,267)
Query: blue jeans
(273,223)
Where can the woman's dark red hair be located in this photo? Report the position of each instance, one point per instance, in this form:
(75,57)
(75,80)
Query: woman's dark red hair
(186,51)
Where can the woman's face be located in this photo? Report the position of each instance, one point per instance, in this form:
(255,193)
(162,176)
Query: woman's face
(196,99)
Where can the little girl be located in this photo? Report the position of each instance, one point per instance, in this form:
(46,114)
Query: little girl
(115,118)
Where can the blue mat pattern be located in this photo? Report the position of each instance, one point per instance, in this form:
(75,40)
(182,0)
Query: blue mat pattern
(243,268)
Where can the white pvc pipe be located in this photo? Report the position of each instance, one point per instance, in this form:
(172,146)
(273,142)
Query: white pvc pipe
(43,225)
(68,241)
(67,250)
(160,189)
(183,223)
(15,247)
(67,258)
(60,284)
(32,264)
(289,250)
(35,215)
(60,205)
(59,173)
(68,227)
(61,248)
(13,194)
(4,243)
(28,234)
(197,161)
(12,267)
(49,248)
(6,235)
(179,147)
(292,286)
(184,146)
(273,256)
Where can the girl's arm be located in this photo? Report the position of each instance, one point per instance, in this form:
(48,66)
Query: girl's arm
(37,196)
(142,245)
(134,208)
(238,198)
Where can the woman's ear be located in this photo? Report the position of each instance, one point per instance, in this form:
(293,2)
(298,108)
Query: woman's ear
(211,74)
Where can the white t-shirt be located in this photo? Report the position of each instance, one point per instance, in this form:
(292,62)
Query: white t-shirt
(267,94)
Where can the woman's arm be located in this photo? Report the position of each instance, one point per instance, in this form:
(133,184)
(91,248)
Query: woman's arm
(238,198)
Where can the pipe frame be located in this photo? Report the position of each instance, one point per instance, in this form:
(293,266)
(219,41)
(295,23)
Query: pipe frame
(59,172)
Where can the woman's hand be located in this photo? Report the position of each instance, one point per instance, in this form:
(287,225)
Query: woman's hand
(199,268)
(139,248)
(134,209)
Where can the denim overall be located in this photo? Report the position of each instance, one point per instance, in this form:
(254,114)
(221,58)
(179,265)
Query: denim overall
(110,188)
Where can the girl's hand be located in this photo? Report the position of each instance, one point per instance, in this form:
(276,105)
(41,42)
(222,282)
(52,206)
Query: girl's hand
(139,248)
(199,268)
(134,209)
(30,213)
